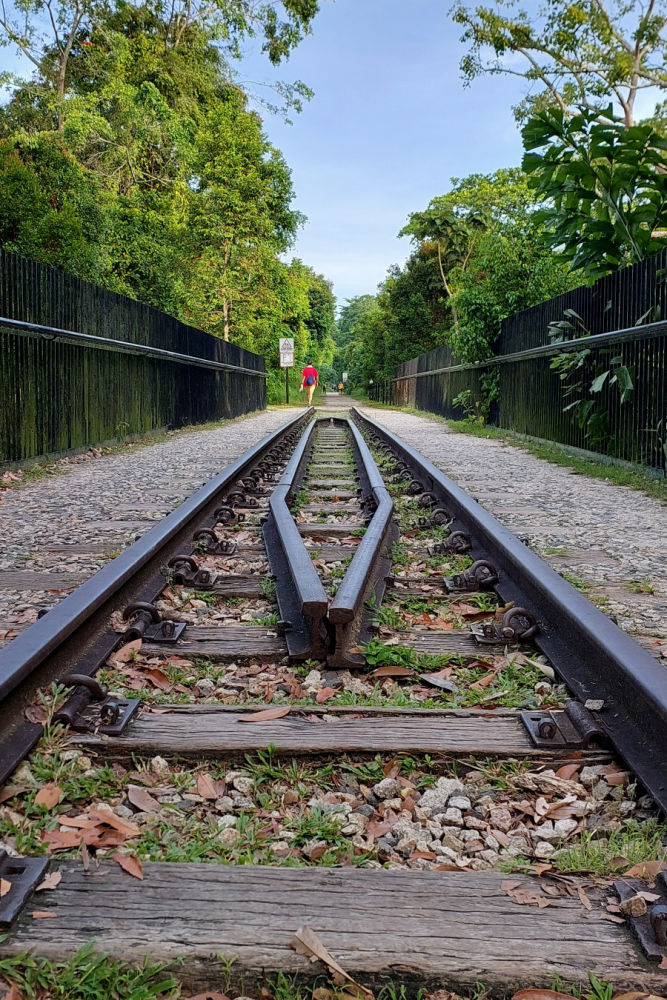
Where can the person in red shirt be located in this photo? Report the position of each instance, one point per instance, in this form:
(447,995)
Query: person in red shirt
(309,379)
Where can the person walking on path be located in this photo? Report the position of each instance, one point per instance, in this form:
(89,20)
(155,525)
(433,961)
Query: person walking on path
(309,379)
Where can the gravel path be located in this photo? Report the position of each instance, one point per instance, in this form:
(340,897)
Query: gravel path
(99,504)
(608,536)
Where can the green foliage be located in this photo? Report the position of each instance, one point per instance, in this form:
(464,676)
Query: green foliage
(605,186)
(87,976)
(583,53)
(133,159)
(51,208)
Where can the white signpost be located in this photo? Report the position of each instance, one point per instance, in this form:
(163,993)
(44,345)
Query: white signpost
(286,348)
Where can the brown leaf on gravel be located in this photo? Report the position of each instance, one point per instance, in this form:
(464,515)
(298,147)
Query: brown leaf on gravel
(159,679)
(5,886)
(267,714)
(43,914)
(51,881)
(541,995)
(9,791)
(129,864)
(306,942)
(568,771)
(209,788)
(396,671)
(142,799)
(117,822)
(61,840)
(324,694)
(49,795)
(127,651)
(647,869)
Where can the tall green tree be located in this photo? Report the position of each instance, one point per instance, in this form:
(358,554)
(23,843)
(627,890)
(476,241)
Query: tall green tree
(575,54)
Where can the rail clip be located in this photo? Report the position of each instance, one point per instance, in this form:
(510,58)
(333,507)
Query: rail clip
(19,877)
(571,729)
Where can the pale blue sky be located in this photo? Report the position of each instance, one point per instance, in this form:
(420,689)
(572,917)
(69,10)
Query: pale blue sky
(388,126)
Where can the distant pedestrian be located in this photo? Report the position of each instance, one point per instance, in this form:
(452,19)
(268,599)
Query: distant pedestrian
(309,379)
(340,387)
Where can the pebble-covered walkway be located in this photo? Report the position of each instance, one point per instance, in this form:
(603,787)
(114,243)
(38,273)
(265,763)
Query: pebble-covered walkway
(609,539)
(99,504)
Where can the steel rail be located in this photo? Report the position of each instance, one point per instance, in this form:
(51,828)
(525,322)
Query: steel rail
(366,574)
(122,346)
(599,662)
(68,631)
(301,597)
(648,330)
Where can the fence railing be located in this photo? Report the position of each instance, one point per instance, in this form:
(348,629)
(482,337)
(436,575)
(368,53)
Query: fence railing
(80,365)
(531,396)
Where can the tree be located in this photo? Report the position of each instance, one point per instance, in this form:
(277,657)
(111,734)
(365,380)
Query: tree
(583,54)
(453,235)
(605,187)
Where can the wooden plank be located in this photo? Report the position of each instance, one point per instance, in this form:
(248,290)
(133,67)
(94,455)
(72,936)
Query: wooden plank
(231,642)
(436,643)
(230,585)
(209,732)
(331,508)
(414,927)
(327,530)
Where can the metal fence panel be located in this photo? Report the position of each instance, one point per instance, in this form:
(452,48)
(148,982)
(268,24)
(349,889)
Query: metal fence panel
(57,396)
(628,307)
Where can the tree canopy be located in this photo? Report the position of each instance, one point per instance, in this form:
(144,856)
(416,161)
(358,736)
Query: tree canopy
(132,158)
(576,54)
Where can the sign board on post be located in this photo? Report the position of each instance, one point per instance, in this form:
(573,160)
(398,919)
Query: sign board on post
(345,377)
(286,348)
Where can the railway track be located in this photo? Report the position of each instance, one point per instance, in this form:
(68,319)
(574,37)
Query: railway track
(330,691)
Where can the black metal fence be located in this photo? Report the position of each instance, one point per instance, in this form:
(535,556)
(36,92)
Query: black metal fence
(619,327)
(80,365)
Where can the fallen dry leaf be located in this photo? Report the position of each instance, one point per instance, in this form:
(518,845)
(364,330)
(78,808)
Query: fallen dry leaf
(636,996)
(117,822)
(208,996)
(49,795)
(396,671)
(267,714)
(43,914)
(129,864)
(143,800)
(209,788)
(9,791)
(8,992)
(568,771)
(127,651)
(306,942)
(584,898)
(541,995)
(324,694)
(5,886)
(647,869)
(50,881)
